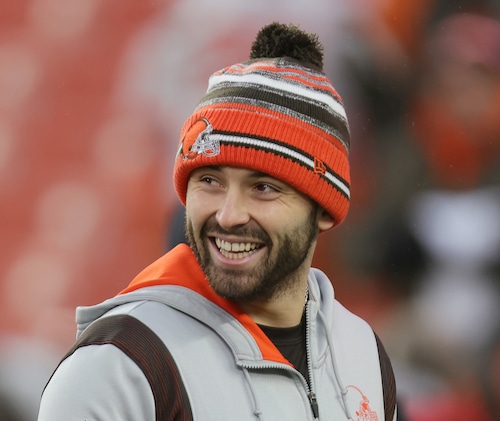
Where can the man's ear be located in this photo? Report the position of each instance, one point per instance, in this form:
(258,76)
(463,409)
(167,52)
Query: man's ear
(325,220)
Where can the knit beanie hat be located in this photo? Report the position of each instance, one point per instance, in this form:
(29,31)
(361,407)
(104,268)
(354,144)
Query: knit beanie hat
(277,114)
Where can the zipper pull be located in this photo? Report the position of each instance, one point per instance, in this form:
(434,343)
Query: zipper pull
(314,404)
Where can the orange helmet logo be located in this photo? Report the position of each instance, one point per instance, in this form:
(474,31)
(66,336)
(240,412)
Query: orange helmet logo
(365,413)
(198,141)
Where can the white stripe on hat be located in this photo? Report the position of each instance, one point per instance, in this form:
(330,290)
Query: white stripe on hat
(282,150)
(281,85)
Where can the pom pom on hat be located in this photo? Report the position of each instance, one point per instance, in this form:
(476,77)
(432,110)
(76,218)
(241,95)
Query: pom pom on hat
(277,40)
(276,113)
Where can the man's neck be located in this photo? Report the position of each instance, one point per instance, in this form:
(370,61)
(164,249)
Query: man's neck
(283,311)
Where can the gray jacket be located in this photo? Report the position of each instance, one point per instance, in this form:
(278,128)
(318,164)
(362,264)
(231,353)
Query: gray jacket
(228,367)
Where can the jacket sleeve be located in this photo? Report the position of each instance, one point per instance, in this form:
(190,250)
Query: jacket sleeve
(97,382)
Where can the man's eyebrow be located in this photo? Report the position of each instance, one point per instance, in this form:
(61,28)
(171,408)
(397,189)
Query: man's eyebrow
(253,173)
(259,174)
(209,167)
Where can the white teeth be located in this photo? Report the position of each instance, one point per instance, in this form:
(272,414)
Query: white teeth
(235,250)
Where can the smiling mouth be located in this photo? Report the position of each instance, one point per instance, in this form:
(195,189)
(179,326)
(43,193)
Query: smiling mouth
(236,250)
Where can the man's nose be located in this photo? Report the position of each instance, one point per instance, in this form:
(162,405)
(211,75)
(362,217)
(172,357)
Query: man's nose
(233,210)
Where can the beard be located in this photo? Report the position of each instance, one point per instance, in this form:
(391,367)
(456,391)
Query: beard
(278,272)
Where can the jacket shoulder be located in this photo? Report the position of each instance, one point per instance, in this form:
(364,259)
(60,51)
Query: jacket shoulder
(145,349)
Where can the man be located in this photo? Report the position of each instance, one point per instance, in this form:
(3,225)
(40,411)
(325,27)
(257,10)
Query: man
(237,325)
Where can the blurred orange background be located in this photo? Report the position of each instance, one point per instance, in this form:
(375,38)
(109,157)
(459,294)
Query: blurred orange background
(92,97)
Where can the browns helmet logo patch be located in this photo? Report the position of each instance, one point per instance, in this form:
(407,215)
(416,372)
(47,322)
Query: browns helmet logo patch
(364,413)
(198,141)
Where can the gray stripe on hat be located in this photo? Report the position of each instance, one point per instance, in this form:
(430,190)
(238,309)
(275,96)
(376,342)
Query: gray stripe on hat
(301,108)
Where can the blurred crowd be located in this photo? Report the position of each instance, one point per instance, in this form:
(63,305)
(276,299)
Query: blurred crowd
(92,98)
(424,237)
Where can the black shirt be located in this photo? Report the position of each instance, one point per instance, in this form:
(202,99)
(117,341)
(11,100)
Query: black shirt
(291,341)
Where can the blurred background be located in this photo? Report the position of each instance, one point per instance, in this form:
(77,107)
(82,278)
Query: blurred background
(92,98)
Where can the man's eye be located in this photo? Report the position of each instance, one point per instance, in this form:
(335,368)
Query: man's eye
(207,179)
(265,188)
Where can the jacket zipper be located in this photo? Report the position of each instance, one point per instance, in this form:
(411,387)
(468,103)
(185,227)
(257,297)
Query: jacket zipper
(312,396)
(314,404)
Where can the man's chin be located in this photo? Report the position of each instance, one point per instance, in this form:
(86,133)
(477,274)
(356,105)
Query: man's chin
(234,286)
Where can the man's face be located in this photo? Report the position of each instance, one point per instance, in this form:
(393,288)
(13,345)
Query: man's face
(253,235)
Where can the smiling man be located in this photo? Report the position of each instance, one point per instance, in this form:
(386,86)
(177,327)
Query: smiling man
(237,325)
(254,238)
